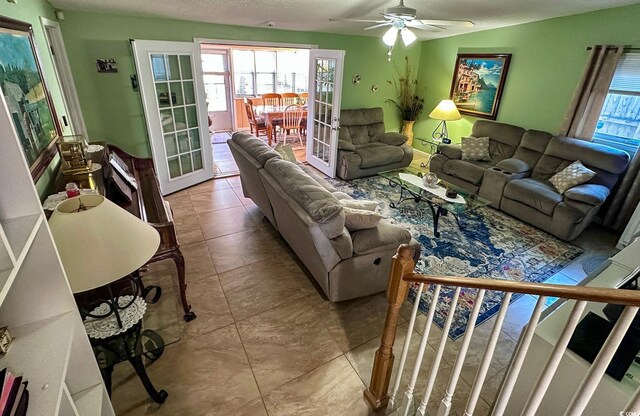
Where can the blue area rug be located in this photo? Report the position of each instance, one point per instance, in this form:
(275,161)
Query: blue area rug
(492,245)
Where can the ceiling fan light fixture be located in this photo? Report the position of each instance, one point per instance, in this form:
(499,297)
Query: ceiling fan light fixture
(390,37)
(408,37)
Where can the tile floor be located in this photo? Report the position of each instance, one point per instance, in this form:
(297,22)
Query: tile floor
(265,342)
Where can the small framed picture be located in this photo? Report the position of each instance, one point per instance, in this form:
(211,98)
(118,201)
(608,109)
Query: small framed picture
(106,65)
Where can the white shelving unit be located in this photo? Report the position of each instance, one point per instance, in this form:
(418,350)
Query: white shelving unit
(50,348)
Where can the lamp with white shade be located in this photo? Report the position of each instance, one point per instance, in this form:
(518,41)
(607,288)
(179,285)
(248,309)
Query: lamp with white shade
(445,111)
(100,243)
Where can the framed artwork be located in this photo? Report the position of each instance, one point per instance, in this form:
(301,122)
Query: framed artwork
(477,83)
(26,95)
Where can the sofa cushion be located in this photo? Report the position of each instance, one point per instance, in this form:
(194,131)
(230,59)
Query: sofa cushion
(361,126)
(467,170)
(345,145)
(360,219)
(504,139)
(341,195)
(532,146)
(384,236)
(588,193)
(286,152)
(256,148)
(358,203)
(475,148)
(514,165)
(452,151)
(319,203)
(537,194)
(314,175)
(379,154)
(393,139)
(573,175)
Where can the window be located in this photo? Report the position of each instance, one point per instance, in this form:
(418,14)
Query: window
(262,71)
(619,122)
(214,66)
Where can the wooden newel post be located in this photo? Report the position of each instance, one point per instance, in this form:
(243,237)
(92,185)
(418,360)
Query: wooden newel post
(402,264)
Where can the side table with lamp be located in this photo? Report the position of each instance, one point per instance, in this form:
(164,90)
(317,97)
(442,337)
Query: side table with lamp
(99,245)
(445,111)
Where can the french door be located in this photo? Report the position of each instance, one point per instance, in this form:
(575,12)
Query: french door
(323,112)
(173,97)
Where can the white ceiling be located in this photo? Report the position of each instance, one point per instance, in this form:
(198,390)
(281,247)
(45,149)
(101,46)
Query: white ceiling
(313,15)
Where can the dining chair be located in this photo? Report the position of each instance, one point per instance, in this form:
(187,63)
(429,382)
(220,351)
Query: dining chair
(291,120)
(289,98)
(271,100)
(254,123)
(304,96)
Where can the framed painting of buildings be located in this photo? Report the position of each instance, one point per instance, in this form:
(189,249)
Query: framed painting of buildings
(477,84)
(26,95)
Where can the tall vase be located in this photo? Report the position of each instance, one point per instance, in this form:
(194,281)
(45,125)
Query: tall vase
(407,130)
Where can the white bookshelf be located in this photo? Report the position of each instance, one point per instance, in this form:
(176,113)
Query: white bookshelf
(50,348)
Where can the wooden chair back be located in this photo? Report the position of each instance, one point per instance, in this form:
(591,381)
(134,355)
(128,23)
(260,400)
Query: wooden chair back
(292,117)
(271,100)
(289,98)
(304,96)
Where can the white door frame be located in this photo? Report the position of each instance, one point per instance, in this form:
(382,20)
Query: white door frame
(326,168)
(64,76)
(142,51)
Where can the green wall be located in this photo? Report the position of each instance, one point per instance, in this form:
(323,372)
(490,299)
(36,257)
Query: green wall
(113,110)
(30,11)
(548,59)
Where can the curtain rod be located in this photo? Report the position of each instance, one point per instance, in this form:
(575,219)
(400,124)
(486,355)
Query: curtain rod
(625,49)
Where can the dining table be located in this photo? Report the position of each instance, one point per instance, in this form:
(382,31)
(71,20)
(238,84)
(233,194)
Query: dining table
(273,115)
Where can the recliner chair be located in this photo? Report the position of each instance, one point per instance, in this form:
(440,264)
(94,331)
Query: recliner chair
(364,148)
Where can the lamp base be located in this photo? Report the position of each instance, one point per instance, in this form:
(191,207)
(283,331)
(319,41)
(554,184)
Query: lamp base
(440,134)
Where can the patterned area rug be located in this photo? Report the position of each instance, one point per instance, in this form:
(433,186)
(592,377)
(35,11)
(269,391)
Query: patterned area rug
(492,245)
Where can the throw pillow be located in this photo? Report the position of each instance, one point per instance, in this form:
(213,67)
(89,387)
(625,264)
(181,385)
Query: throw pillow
(359,204)
(475,148)
(360,219)
(573,175)
(286,152)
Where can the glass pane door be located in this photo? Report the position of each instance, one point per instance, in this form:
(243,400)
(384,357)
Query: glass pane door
(324,109)
(173,94)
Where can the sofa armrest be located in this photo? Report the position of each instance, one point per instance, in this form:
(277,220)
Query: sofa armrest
(514,166)
(383,237)
(452,151)
(590,193)
(345,145)
(393,139)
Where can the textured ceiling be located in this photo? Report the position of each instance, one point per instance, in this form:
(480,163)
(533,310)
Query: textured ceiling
(313,15)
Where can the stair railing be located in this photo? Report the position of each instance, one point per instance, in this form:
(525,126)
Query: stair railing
(402,275)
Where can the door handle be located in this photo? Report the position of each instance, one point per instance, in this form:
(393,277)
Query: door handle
(336,124)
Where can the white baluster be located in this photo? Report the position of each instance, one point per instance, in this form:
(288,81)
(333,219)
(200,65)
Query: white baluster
(551,366)
(422,409)
(518,359)
(405,348)
(423,344)
(488,356)
(600,364)
(634,403)
(445,405)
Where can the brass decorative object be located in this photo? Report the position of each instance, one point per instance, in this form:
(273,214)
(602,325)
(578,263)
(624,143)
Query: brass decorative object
(73,155)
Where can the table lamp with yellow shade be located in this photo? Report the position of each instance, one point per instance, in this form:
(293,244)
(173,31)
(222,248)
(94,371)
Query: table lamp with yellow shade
(100,243)
(445,111)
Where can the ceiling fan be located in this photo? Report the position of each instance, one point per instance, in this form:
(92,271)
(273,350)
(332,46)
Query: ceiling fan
(401,18)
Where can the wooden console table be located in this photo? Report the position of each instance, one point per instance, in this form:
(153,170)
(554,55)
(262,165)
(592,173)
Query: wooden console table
(146,203)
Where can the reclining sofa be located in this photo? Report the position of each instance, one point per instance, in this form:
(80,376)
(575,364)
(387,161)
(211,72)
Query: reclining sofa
(306,211)
(516,179)
(364,148)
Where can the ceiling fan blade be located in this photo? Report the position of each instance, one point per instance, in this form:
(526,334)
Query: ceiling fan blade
(426,28)
(378,25)
(338,19)
(458,23)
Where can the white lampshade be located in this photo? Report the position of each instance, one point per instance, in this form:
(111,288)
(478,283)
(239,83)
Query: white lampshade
(101,244)
(408,37)
(390,37)
(446,111)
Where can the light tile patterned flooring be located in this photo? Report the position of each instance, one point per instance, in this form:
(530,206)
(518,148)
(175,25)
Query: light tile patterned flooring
(265,342)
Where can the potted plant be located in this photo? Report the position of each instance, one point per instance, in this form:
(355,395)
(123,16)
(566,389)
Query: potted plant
(407,99)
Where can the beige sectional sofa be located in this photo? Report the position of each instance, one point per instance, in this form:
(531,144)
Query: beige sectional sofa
(305,210)
(516,179)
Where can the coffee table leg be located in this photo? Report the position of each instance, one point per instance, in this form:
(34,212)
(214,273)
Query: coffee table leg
(461,223)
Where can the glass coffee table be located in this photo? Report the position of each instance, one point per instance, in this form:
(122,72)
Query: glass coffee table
(409,182)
